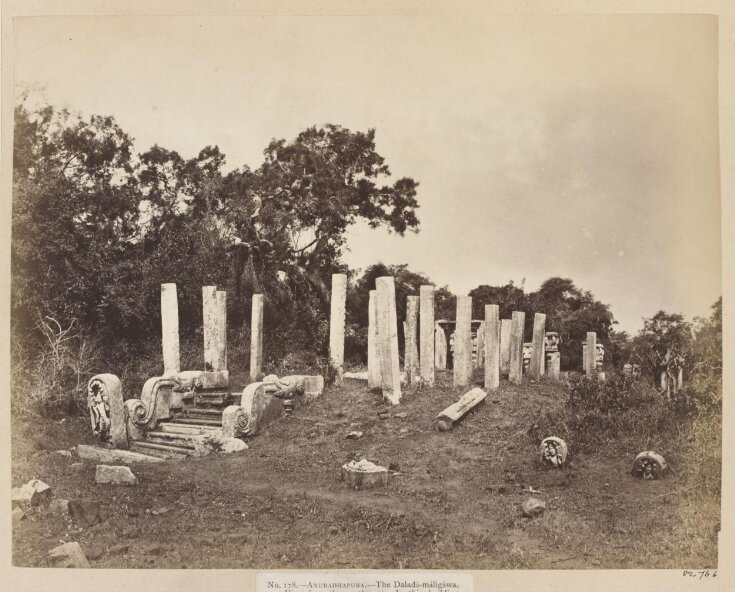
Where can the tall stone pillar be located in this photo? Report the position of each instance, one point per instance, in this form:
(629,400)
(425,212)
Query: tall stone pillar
(480,350)
(170,330)
(440,347)
(210,326)
(591,368)
(411,354)
(463,342)
(505,325)
(388,339)
(492,346)
(337,324)
(585,363)
(426,333)
(256,339)
(553,356)
(373,342)
(220,360)
(515,373)
(536,369)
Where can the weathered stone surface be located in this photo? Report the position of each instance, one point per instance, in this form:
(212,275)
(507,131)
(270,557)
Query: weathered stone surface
(446,419)
(170,329)
(59,507)
(591,369)
(505,326)
(256,338)
(62,453)
(107,409)
(77,466)
(426,334)
(649,465)
(84,513)
(411,357)
(33,493)
(492,346)
(337,324)
(627,370)
(388,339)
(440,347)
(553,452)
(533,507)
(536,368)
(220,362)
(17,514)
(115,475)
(553,365)
(462,363)
(364,474)
(69,555)
(479,354)
(373,371)
(209,326)
(515,373)
(111,455)
(217,442)
(313,387)
(354,435)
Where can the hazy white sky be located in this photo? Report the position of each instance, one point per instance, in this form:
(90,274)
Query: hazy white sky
(578,146)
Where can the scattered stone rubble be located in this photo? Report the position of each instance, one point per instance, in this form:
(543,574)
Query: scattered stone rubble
(115,475)
(31,494)
(69,555)
(364,474)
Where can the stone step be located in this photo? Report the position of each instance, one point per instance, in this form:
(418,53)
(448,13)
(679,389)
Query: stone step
(168,438)
(161,450)
(201,411)
(214,422)
(183,428)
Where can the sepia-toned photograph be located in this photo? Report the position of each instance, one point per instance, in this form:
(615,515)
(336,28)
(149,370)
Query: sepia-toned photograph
(393,291)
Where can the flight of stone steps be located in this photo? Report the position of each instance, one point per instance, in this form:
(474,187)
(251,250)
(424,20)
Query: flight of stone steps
(173,438)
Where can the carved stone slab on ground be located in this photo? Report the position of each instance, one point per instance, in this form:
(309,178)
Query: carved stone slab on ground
(649,465)
(364,474)
(115,475)
(553,452)
(112,455)
(533,507)
(446,419)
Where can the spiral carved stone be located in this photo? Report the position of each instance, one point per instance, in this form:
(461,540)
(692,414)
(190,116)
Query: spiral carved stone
(649,465)
(553,452)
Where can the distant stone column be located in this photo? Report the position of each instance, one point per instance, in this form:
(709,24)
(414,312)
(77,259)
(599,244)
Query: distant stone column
(440,346)
(463,342)
(426,333)
(337,324)
(388,339)
(591,368)
(515,373)
(505,325)
(170,330)
(220,361)
(585,363)
(209,312)
(492,346)
(680,378)
(373,342)
(480,357)
(411,356)
(536,370)
(256,339)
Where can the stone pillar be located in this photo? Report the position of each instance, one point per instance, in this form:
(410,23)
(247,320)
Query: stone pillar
(463,342)
(170,330)
(680,378)
(627,370)
(256,339)
(337,324)
(492,346)
(209,312)
(480,358)
(591,368)
(426,333)
(373,341)
(553,357)
(411,352)
(536,370)
(220,361)
(584,358)
(388,339)
(515,373)
(505,325)
(440,347)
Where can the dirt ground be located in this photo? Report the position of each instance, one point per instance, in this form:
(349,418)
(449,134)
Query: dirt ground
(453,503)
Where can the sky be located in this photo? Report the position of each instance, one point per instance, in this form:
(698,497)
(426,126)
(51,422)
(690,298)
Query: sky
(580,146)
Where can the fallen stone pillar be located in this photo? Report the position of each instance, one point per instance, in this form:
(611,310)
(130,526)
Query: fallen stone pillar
(388,339)
(505,325)
(492,346)
(411,352)
(337,325)
(426,322)
(373,352)
(447,418)
(256,338)
(591,368)
(170,329)
(515,373)
(536,369)
(463,342)
(209,328)
(440,347)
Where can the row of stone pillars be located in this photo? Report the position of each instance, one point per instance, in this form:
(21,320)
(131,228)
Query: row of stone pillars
(214,312)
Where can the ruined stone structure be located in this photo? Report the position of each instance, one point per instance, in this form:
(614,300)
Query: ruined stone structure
(553,356)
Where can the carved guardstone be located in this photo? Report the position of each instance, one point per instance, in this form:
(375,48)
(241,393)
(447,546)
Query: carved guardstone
(107,410)
(553,452)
